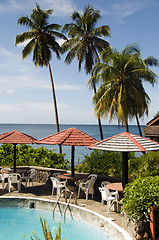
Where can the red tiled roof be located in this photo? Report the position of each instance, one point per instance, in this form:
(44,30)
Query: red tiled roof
(71,136)
(126,142)
(16,137)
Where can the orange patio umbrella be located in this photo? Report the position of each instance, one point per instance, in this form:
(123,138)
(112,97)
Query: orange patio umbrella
(14,137)
(72,137)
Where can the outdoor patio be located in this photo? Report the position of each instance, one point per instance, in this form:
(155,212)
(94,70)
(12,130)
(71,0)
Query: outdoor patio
(44,191)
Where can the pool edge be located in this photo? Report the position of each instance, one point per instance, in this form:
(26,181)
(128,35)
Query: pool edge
(108,224)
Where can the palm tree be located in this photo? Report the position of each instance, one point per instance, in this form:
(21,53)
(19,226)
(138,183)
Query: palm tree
(85,41)
(42,41)
(121,92)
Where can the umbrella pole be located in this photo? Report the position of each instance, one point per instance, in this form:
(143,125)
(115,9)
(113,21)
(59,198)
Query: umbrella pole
(124,169)
(72,161)
(14,157)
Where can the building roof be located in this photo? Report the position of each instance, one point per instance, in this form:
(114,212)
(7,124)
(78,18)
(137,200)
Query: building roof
(126,142)
(154,121)
(16,137)
(71,136)
(152,131)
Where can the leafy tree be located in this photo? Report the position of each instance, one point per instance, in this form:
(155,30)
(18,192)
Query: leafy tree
(42,41)
(85,41)
(145,166)
(29,156)
(121,93)
(156,114)
(139,196)
(103,163)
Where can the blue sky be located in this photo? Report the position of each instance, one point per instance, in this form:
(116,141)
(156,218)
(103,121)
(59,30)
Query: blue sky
(25,90)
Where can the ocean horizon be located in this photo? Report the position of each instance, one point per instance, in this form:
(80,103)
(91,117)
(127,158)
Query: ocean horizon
(43,130)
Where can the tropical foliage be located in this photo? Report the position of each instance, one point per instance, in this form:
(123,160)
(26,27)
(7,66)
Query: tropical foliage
(145,165)
(46,232)
(103,163)
(84,39)
(121,93)
(29,156)
(139,196)
(41,39)
(85,42)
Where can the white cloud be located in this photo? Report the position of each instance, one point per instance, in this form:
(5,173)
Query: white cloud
(5,108)
(125,8)
(68,87)
(60,7)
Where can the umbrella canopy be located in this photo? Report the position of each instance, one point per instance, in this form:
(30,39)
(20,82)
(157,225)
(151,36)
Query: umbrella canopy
(126,142)
(15,137)
(72,137)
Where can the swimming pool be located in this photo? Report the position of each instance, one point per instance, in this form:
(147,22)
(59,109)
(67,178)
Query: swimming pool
(14,222)
(22,215)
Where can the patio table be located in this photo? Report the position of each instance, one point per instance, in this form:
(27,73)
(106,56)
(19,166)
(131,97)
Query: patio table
(74,178)
(115,186)
(72,185)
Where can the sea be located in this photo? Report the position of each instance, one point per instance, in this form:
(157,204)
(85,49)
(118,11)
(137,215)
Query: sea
(43,130)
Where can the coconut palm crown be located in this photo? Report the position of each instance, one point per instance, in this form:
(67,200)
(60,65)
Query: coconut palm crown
(121,93)
(85,40)
(43,36)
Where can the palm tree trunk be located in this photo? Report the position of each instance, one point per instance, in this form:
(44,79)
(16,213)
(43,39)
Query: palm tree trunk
(138,124)
(94,86)
(127,127)
(55,104)
(99,121)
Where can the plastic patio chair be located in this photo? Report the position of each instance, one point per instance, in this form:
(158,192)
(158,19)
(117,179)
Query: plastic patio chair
(14,178)
(29,176)
(109,197)
(58,185)
(87,185)
(4,175)
(104,183)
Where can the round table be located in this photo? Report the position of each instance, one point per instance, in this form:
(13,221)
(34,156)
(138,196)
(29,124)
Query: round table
(115,186)
(70,177)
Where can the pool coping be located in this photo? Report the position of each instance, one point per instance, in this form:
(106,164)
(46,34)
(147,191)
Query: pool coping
(103,223)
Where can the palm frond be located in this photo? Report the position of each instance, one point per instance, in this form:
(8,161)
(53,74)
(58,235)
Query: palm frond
(28,49)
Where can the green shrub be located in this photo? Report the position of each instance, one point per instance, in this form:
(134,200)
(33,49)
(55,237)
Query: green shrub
(145,165)
(102,163)
(28,156)
(139,196)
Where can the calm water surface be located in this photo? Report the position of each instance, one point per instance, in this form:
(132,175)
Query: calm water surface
(14,222)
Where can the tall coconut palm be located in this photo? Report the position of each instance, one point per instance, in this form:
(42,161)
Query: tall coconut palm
(85,41)
(42,39)
(121,76)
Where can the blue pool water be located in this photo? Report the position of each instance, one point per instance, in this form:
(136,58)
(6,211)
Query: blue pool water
(15,222)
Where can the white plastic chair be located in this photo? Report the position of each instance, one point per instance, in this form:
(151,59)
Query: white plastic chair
(28,177)
(55,174)
(59,185)
(4,175)
(87,185)
(14,178)
(104,183)
(109,197)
